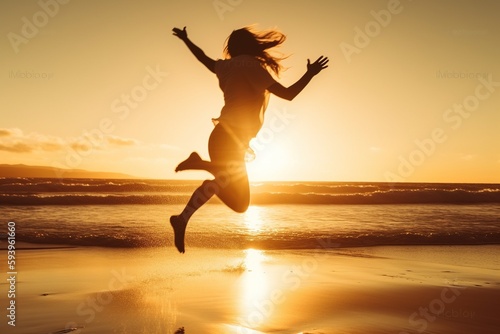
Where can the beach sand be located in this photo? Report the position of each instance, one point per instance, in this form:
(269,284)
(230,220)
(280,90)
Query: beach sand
(417,289)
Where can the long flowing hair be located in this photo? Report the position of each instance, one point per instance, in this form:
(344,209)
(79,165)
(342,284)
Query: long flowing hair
(248,41)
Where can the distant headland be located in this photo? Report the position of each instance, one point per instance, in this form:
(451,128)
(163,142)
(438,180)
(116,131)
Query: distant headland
(52,172)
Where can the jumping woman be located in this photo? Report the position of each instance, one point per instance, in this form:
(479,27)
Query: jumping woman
(245,79)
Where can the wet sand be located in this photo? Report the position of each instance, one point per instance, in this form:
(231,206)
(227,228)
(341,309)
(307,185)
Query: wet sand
(417,289)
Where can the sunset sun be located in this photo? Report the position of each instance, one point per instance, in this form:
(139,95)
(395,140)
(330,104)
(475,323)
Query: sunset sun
(272,162)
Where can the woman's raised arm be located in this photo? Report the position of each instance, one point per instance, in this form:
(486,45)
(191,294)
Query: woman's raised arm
(197,52)
(289,93)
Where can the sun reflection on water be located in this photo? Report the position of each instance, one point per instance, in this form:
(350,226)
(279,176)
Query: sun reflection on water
(253,219)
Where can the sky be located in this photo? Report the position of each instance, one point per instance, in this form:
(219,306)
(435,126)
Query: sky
(412,93)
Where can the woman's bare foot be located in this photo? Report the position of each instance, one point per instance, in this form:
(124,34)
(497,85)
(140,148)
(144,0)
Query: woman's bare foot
(190,163)
(179,226)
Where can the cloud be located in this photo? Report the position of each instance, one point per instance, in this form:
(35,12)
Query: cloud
(81,147)
(16,148)
(51,147)
(5,132)
(87,143)
(14,140)
(119,141)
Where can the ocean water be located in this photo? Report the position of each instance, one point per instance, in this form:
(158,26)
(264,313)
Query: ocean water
(293,215)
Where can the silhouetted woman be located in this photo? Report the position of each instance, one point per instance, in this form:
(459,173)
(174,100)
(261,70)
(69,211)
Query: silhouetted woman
(246,82)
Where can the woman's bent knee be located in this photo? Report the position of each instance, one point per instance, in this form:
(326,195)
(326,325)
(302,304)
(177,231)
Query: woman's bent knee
(210,188)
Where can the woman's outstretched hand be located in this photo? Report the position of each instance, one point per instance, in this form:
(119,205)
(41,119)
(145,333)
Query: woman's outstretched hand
(319,65)
(182,34)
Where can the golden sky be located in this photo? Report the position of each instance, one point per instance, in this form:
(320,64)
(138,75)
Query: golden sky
(412,92)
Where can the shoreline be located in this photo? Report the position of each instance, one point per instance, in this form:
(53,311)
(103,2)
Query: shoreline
(25,245)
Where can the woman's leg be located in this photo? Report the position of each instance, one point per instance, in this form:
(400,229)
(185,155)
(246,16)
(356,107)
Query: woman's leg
(227,155)
(195,162)
(200,196)
(230,183)
(233,188)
